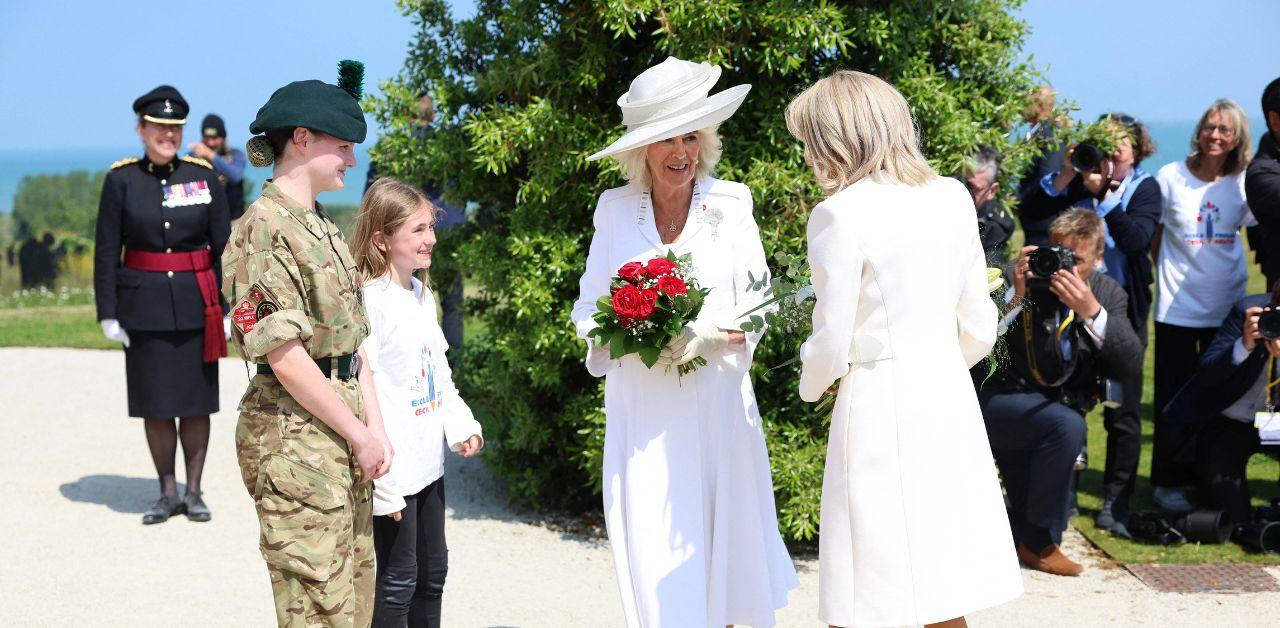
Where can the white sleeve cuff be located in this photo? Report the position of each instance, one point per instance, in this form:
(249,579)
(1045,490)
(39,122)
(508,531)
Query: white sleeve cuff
(1238,352)
(1098,326)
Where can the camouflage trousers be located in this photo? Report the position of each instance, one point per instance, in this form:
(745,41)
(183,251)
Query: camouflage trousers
(316,521)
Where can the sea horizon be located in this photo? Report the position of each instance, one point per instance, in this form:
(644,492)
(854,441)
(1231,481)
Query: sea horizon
(1172,142)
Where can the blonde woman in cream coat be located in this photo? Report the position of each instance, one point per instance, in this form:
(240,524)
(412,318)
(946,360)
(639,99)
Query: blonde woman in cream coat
(914,530)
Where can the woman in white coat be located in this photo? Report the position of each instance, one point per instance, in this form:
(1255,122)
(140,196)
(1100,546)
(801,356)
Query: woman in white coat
(913,527)
(688,496)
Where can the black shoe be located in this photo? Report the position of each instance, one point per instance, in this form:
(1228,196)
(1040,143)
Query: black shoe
(195,508)
(164,508)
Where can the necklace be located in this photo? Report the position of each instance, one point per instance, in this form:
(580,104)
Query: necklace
(671,226)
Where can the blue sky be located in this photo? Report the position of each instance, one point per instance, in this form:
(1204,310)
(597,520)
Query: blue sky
(70,70)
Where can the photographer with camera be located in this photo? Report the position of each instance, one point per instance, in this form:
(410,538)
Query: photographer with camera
(1222,400)
(980,175)
(1128,199)
(1068,333)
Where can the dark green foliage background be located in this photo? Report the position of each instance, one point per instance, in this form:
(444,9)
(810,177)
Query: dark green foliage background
(526,90)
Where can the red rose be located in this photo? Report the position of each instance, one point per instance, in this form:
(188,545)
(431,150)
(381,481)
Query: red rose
(660,266)
(627,302)
(648,302)
(631,272)
(672,286)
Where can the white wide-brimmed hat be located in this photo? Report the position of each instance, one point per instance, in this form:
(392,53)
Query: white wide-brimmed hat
(670,99)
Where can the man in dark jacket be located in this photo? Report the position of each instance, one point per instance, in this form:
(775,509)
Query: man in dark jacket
(980,174)
(1067,334)
(1129,201)
(1227,390)
(1262,186)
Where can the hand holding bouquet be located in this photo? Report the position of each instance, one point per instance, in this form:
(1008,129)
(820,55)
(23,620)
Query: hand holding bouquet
(649,305)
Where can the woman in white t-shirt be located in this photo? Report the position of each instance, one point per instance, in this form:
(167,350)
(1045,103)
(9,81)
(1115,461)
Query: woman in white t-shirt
(395,233)
(1201,273)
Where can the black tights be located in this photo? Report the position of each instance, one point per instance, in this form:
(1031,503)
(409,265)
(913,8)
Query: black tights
(162,439)
(413,561)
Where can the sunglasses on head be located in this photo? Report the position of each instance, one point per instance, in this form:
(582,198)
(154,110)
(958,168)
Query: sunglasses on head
(1122,118)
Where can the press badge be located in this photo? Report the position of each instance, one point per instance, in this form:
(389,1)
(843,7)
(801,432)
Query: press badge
(1268,426)
(183,194)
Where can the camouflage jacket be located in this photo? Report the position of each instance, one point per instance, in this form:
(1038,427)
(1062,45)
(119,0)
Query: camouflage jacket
(287,273)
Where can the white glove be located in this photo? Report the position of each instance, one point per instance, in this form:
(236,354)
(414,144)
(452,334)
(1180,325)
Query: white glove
(113,331)
(226,327)
(697,338)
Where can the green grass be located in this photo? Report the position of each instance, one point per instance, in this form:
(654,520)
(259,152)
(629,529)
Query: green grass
(52,326)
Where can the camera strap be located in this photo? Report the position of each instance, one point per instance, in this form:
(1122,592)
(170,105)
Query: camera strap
(1029,347)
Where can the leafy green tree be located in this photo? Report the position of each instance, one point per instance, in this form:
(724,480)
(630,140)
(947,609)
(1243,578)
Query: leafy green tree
(61,204)
(525,90)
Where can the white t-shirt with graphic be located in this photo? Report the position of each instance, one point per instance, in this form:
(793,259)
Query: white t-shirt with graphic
(1202,263)
(420,405)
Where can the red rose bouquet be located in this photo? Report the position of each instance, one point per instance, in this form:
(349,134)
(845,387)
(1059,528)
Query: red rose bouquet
(647,306)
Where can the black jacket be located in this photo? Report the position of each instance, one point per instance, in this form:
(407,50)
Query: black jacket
(1217,383)
(1262,188)
(1117,358)
(1045,137)
(995,227)
(1132,228)
(131,214)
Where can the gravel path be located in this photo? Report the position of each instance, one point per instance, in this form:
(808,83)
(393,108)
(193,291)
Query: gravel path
(75,477)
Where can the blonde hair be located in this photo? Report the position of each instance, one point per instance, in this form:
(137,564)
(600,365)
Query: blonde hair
(635,167)
(385,208)
(1081,223)
(1239,156)
(854,125)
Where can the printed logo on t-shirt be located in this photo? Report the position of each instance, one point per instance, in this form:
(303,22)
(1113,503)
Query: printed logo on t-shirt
(427,396)
(1204,233)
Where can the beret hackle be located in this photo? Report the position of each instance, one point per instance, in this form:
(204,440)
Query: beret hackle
(319,106)
(351,78)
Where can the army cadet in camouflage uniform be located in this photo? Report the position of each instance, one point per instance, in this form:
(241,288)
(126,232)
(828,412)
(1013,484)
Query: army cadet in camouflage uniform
(308,446)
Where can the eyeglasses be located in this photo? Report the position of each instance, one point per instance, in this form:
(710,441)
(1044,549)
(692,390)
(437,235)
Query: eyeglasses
(1122,118)
(1222,129)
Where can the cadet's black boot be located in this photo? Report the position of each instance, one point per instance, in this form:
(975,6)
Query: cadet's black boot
(160,511)
(196,510)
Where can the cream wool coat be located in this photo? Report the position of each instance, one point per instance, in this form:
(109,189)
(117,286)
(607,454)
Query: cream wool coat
(688,496)
(914,529)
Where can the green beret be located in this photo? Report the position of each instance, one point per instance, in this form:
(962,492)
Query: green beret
(315,105)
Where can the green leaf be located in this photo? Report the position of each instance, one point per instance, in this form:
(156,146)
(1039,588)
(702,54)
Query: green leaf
(649,355)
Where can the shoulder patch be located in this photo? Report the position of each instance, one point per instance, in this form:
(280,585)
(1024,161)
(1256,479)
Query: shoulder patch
(124,162)
(197,161)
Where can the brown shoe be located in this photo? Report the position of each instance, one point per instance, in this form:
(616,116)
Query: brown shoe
(1051,560)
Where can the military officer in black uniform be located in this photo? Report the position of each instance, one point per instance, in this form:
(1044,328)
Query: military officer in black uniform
(162,224)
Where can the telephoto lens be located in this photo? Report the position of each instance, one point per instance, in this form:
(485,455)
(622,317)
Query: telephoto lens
(1086,158)
(1269,324)
(1204,526)
(1259,536)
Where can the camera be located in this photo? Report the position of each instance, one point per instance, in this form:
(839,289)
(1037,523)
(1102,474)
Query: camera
(1269,324)
(1086,157)
(1047,260)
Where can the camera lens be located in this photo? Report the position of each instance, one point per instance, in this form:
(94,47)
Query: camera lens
(1086,157)
(1269,324)
(1043,262)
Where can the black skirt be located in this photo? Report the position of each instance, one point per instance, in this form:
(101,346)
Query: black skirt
(167,375)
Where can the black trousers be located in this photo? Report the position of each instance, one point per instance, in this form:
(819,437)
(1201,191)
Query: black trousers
(1035,442)
(1173,455)
(1222,454)
(413,561)
(1124,442)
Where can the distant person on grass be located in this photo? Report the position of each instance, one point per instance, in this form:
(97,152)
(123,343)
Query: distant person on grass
(162,225)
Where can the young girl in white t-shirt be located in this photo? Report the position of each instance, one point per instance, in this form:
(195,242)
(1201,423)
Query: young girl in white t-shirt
(421,409)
